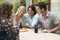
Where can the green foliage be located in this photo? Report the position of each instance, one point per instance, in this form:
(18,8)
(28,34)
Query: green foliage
(40,0)
(23,2)
(16,3)
(1,1)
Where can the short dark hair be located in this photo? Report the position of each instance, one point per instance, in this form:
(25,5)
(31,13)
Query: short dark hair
(42,5)
(33,9)
(5,9)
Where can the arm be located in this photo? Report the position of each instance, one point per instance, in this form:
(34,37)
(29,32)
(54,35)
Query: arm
(39,25)
(34,23)
(57,24)
(17,18)
(53,30)
(56,28)
(22,20)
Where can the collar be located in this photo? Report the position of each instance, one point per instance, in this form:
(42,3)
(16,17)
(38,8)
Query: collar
(47,15)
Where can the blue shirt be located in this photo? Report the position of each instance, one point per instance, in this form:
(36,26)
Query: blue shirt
(30,21)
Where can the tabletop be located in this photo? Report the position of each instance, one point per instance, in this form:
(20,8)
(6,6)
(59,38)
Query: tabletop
(31,35)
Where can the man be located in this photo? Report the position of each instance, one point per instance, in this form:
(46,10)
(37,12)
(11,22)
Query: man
(49,20)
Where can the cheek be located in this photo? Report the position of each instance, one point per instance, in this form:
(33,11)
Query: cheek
(22,14)
(40,11)
(32,12)
(29,12)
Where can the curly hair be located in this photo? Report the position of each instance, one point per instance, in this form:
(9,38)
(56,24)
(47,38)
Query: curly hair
(5,10)
(33,9)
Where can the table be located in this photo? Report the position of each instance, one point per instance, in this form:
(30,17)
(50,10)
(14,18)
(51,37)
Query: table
(30,35)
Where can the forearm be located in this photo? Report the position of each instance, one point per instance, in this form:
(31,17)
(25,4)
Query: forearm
(22,20)
(17,18)
(39,26)
(28,26)
(56,28)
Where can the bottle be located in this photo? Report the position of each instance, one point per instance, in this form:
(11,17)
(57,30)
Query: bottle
(36,28)
(20,26)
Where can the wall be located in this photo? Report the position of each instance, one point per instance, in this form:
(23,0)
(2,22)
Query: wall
(55,7)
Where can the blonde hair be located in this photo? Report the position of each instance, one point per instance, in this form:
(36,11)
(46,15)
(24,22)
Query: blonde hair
(17,13)
(20,8)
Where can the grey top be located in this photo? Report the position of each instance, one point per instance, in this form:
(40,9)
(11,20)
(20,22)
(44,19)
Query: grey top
(50,22)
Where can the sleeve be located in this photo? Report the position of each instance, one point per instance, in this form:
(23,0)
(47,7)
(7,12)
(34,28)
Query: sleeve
(35,20)
(55,19)
(26,19)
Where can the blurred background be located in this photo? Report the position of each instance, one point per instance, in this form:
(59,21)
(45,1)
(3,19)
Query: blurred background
(52,5)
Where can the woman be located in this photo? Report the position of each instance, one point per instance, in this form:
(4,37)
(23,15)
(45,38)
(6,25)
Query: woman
(31,18)
(6,32)
(20,15)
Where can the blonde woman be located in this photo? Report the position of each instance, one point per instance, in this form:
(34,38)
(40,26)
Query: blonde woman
(20,15)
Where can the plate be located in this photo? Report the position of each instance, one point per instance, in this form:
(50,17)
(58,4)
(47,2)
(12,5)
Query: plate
(23,30)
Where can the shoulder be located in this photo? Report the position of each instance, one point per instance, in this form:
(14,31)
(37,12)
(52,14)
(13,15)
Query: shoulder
(53,15)
(26,14)
(36,15)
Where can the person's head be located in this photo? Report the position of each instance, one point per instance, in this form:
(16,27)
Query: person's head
(41,7)
(32,10)
(6,10)
(21,11)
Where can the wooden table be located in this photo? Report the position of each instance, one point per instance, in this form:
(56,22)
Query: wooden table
(30,35)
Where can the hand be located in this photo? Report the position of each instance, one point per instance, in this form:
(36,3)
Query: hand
(46,31)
